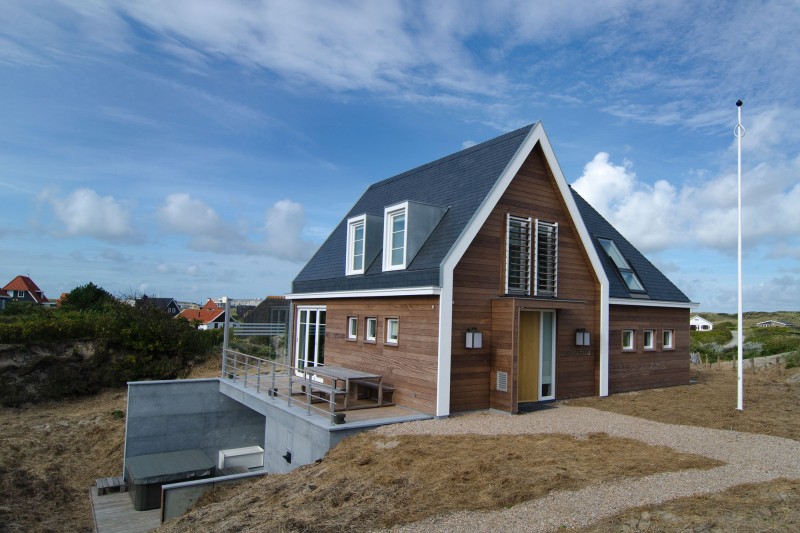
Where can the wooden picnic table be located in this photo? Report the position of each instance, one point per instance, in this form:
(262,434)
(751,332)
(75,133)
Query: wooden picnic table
(350,376)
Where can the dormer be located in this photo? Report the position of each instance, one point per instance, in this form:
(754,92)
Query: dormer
(406,227)
(363,243)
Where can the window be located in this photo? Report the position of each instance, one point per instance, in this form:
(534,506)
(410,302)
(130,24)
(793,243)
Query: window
(395,237)
(352,327)
(371,332)
(649,339)
(278,316)
(546,258)
(355,245)
(668,339)
(518,255)
(392,326)
(628,275)
(627,339)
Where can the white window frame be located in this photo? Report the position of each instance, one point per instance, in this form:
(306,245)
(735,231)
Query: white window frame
(374,336)
(389,215)
(651,345)
(352,226)
(389,338)
(352,327)
(524,287)
(626,271)
(671,344)
(546,287)
(630,347)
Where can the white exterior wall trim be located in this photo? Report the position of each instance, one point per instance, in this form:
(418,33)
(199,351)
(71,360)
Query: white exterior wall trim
(374,293)
(653,303)
(536,135)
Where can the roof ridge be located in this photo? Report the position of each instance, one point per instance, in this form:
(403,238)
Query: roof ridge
(461,153)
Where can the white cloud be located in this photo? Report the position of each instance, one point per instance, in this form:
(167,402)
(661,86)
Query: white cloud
(283,230)
(699,212)
(84,213)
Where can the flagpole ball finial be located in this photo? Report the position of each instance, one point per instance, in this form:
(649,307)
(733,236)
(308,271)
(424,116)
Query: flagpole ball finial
(738,103)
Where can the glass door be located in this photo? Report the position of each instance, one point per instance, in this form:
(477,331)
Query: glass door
(310,341)
(547,353)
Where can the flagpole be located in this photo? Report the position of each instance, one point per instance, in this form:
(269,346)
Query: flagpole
(739,132)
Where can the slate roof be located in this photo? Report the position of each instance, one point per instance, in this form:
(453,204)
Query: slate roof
(460,182)
(657,285)
(24,283)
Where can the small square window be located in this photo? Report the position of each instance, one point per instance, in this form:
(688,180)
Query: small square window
(627,339)
(392,327)
(649,337)
(371,329)
(352,327)
(669,339)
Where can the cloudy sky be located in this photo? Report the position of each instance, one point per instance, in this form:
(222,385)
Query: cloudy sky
(200,148)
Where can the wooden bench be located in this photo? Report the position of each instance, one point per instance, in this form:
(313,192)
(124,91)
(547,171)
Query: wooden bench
(368,390)
(316,387)
(110,484)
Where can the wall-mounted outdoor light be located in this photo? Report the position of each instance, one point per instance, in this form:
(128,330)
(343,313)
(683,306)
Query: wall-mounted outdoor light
(582,337)
(474,338)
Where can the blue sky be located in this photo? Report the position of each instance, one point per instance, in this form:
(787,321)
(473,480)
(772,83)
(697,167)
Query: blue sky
(200,148)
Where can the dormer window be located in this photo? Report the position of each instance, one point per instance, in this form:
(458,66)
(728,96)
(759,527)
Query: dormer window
(395,237)
(356,239)
(626,272)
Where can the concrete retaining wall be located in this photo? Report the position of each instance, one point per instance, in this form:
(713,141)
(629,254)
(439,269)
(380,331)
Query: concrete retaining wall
(165,416)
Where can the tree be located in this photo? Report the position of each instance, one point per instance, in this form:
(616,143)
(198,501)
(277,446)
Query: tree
(87,297)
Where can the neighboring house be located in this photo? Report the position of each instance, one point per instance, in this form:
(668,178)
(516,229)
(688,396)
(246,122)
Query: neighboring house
(167,305)
(272,310)
(698,323)
(23,289)
(775,324)
(482,280)
(210,316)
(4,297)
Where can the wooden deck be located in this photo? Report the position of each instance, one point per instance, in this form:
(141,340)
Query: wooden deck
(114,513)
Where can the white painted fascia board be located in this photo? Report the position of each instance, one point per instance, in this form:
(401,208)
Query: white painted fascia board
(653,303)
(454,255)
(374,293)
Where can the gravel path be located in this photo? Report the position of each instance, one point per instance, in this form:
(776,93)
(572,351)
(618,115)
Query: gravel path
(749,458)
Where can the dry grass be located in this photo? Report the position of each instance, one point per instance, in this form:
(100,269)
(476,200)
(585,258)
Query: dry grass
(51,453)
(773,506)
(370,481)
(771,405)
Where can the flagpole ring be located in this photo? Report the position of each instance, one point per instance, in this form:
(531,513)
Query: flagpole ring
(739,131)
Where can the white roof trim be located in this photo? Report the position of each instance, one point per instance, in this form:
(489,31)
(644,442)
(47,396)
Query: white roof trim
(653,303)
(367,293)
(536,135)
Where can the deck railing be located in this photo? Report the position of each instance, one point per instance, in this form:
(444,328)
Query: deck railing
(280,382)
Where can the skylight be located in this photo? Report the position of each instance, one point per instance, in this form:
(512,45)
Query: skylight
(628,275)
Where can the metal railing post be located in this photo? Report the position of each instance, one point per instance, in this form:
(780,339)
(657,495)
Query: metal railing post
(258,376)
(225,337)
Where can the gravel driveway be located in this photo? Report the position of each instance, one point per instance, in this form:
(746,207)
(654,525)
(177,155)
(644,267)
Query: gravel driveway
(749,458)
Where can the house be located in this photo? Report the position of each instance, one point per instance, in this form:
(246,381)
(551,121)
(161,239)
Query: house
(698,323)
(775,324)
(4,297)
(272,310)
(23,289)
(167,305)
(483,281)
(210,316)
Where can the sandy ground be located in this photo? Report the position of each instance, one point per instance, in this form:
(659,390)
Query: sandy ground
(82,440)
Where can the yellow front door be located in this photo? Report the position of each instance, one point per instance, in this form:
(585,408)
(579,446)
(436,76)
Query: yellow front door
(528,357)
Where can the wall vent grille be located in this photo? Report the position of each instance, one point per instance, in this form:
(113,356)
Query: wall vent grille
(502,381)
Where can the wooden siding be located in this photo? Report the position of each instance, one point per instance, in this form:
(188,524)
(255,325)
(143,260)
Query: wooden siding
(646,369)
(479,282)
(410,366)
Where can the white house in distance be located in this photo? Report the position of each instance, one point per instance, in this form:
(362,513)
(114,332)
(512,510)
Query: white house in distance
(700,324)
(775,324)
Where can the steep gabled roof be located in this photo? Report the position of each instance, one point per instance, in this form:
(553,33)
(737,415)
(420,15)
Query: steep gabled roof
(24,283)
(206,314)
(657,286)
(4,294)
(459,182)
